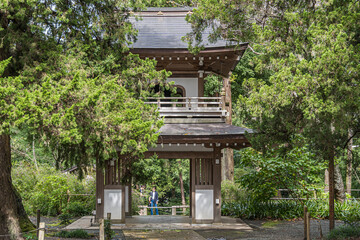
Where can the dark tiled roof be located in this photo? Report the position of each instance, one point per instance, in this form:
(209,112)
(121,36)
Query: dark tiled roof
(202,129)
(165,31)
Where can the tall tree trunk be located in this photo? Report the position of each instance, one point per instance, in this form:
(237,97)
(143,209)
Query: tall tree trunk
(326,189)
(34,155)
(339,185)
(9,218)
(227,164)
(183,202)
(349,165)
(331,190)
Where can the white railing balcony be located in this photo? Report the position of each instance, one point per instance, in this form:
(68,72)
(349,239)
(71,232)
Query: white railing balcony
(190,107)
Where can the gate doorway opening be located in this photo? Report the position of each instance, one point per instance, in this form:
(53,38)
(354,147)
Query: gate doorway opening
(171,177)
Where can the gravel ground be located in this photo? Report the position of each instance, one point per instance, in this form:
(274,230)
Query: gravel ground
(268,229)
(262,229)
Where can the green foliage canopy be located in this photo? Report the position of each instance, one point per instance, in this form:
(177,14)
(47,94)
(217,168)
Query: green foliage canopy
(76,87)
(307,54)
(298,171)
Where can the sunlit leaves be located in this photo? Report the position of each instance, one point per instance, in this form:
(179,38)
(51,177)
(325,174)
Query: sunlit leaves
(297,170)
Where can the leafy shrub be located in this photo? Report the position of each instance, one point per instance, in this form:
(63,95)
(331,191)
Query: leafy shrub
(109,233)
(250,208)
(46,189)
(65,218)
(78,209)
(253,209)
(297,170)
(212,85)
(136,200)
(344,232)
(231,191)
(73,234)
(350,213)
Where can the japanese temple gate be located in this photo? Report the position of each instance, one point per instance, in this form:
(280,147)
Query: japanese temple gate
(196,127)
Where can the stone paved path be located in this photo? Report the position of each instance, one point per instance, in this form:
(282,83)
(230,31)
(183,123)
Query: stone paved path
(164,223)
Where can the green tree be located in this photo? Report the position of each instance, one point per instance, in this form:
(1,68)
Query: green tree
(311,51)
(298,171)
(68,67)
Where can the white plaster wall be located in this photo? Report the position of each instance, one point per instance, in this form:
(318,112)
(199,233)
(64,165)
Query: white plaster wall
(190,85)
(204,204)
(113,203)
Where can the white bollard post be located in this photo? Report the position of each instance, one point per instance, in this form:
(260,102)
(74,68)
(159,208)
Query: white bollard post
(101,230)
(42,231)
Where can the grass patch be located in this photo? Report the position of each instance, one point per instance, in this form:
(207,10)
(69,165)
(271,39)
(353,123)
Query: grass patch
(270,224)
(344,232)
(73,234)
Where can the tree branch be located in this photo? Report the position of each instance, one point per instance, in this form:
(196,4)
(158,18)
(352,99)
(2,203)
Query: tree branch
(21,153)
(257,53)
(355,132)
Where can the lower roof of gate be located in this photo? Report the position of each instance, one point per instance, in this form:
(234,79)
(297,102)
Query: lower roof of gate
(202,129)
(203,133)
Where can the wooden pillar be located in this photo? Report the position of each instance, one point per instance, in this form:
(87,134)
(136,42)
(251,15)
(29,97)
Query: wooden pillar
(99,191)
(217,184)
(192,187)
(331,191)
(201,83)
(128,185)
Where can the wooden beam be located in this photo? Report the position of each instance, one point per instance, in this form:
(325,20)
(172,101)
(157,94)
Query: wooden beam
(165,51)
(179,155)
(192,176)
(239,139)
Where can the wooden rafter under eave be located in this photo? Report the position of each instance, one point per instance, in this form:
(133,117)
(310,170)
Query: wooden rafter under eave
(181,62)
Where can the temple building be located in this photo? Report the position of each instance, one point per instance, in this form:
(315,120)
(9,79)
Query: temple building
(196,127)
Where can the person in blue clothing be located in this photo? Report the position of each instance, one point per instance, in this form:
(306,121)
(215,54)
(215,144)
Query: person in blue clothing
(154,200)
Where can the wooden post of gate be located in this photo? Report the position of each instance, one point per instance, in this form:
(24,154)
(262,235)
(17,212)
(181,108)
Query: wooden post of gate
(101,230)
(305,222)
(331,192)
(308,226)
(173,210)
(41,231)
(37,222)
